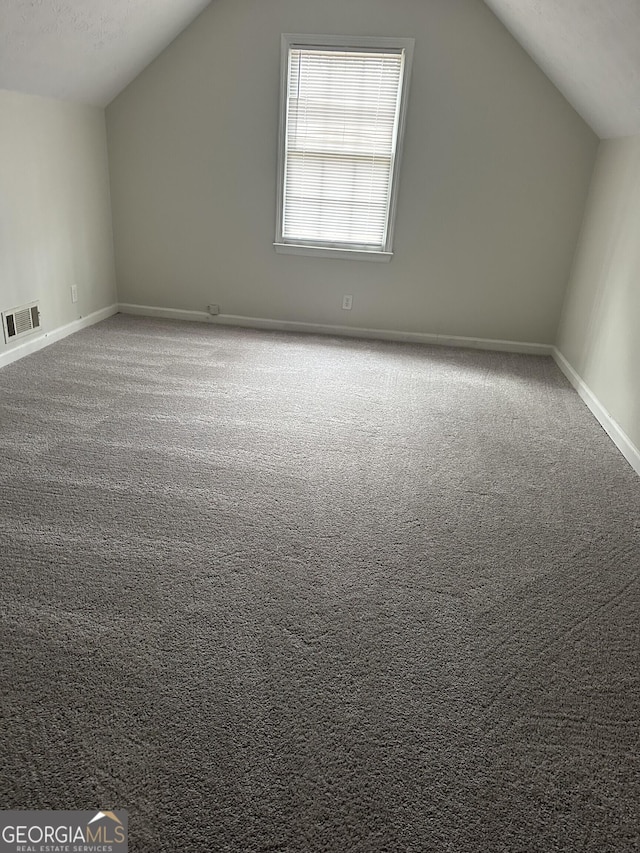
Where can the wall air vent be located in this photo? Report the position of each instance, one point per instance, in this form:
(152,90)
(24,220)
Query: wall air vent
(21,321)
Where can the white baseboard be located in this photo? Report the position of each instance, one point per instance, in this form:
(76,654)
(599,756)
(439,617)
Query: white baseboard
(165,313)
(47,338)
(345,331)
(608,423)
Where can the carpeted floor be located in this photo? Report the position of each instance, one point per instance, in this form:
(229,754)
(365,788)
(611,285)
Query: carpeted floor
(276,594)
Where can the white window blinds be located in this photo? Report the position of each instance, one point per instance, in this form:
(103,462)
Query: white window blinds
(340,140)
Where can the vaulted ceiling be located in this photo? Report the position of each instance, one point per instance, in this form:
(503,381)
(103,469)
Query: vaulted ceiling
(85,50)
(89,50)
(590,49)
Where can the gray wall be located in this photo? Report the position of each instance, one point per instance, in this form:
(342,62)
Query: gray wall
(599,332)
(495,175)
(55,215)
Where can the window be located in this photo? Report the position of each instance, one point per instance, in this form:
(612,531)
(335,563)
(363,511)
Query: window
(342,114)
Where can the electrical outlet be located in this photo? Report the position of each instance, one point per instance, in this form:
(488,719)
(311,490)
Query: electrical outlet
(74,292)
(347,302)
(213,309)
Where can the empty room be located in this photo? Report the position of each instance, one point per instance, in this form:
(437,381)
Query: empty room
(320,426)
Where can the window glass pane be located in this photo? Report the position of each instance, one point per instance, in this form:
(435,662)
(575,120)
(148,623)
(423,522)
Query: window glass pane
(342,118)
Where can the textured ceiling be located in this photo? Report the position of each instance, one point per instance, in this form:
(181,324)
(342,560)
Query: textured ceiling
(590,49)
(89,50)
(85,50)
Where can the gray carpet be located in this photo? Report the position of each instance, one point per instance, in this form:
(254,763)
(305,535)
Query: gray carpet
(275,593)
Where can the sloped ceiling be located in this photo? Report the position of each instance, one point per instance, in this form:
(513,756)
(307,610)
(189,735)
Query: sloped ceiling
(85,50)
(590,49)
(89,50)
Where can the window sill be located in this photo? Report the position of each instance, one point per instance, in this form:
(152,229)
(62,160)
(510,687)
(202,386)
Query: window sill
(327,252)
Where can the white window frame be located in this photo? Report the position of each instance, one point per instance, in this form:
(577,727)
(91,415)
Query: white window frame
(292,40)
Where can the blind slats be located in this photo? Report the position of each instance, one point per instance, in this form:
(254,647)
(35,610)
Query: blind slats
(341,125)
